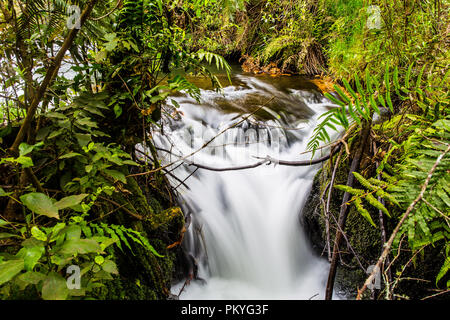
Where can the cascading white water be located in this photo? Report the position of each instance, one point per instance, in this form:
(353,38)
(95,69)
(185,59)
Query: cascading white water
(245,231)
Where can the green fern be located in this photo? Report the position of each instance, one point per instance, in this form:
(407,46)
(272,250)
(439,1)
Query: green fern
(359,105)
(121,235)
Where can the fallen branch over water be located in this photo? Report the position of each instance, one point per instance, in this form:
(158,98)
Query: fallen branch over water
(269,160)
(206,143)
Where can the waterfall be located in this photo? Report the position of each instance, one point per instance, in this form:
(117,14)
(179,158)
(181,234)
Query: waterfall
(245,232)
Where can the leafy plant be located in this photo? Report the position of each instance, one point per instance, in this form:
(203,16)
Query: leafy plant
(47,251)
(356,106)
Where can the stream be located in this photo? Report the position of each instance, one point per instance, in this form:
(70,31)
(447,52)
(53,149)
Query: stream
(245,231)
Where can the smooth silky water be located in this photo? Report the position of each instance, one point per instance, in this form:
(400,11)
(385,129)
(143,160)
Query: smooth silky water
(245,231)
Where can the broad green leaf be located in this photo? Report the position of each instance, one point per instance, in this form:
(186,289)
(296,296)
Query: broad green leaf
(69,155)
(80,246)
(70,201)
(26,162)
(56,133)
(100,56)
(106,243)
(94,111)
(55,115)
(3,194)
(9,269)
(83,139)
(32,242)
(38,234)
(117,175)
(110,36)
(87,122)
(31,256)
(73,232)
(32,277)
(130,162)
(110,267)
(117,110)
(54,287)
(25,148)
(40,204)
(56,229)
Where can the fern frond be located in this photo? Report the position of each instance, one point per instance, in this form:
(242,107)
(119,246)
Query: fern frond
(360,208)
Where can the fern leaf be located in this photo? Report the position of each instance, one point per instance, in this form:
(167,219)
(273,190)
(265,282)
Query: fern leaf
(444,269)
(365,114)
(333,99)
(146,244)
(363,211)
(349,89)
(408,75)
(341,93)
(365,182)
(122,237)
(377,204)
(419,78)
(395,80)
(353,191)
(353,114)
(389,101)
(360,89)
(374,104)
(381,100)
(387,83)
(369,81)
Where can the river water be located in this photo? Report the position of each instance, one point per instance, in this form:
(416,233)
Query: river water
(245,231)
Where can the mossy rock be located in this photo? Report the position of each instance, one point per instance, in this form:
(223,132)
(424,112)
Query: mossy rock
(143,275)
(364,239)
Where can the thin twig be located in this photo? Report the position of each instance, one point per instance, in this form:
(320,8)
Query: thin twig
(109,13)
(205,144)
(124,209)
(327,207)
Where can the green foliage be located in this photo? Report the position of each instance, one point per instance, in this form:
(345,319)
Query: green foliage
(412,143)
(428,222)
(404,33)
(125,62)
(47,251)
(357,106)
(372,187)
(40,204)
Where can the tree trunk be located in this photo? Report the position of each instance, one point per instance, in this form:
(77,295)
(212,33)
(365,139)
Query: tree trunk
(365,133)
